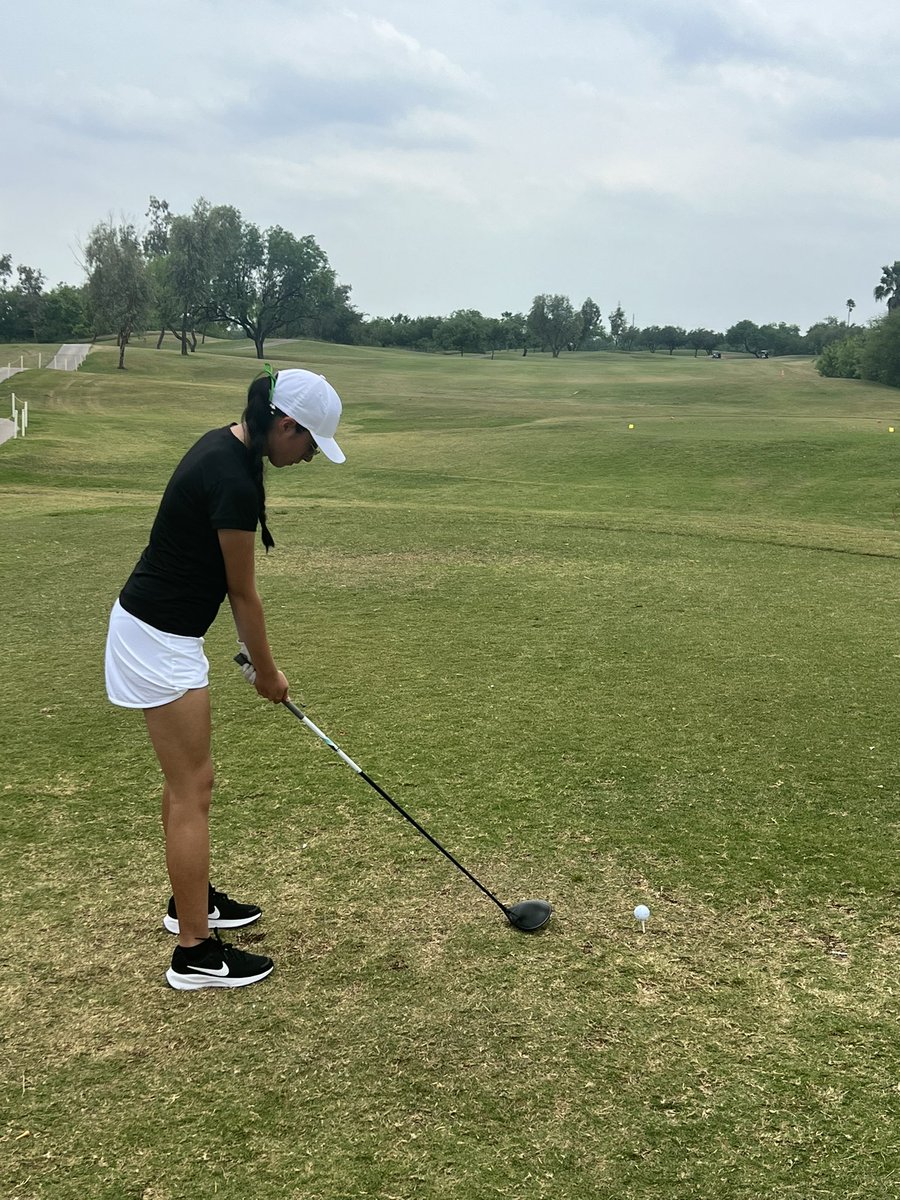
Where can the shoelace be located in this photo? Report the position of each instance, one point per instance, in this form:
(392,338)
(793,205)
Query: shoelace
(230,952)
(218,899)
(223,946)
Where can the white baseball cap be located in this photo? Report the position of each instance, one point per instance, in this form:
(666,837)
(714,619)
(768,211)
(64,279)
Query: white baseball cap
(312,402)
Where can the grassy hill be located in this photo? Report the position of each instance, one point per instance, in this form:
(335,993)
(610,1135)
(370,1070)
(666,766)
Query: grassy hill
(618,629)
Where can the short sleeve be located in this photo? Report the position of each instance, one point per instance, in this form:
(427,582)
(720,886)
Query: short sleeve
(233,502)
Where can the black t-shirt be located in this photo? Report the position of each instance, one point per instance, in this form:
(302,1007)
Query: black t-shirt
(179,582)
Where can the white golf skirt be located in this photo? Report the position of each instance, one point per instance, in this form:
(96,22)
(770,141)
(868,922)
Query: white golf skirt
(145,667)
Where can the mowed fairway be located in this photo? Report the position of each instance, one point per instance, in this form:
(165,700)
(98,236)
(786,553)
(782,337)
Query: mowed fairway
(603,665)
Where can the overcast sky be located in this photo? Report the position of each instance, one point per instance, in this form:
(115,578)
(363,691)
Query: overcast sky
(701,161)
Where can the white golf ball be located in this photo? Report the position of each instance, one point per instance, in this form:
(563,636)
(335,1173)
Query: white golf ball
(642,913)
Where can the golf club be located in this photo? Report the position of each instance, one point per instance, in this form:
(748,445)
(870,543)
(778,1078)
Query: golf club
(527,915)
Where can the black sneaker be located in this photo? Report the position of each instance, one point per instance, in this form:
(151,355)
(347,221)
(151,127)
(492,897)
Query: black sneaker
(216,964)
(224,913)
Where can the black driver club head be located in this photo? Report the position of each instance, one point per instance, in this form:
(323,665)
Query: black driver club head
(529,915)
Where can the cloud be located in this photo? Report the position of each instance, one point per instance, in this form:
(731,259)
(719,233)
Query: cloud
(701,33)
(117,111)
(350,70)
(422,60)
(427,128)
(353,174)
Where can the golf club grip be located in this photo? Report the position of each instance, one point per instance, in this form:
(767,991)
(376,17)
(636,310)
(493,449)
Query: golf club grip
(242,661)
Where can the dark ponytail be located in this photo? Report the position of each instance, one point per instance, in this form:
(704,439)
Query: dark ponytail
(257,419)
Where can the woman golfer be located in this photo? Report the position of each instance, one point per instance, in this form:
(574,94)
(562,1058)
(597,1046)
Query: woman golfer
(201,550)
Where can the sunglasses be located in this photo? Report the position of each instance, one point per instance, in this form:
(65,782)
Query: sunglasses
(315,448)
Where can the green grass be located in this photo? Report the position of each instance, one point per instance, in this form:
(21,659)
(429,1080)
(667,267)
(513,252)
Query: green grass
(603,665)
(26,354)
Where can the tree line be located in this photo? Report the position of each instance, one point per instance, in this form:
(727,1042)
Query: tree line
(208,271)
(873,352)
(554,325)
(211,272)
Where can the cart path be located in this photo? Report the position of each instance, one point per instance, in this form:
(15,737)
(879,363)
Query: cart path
(69,357)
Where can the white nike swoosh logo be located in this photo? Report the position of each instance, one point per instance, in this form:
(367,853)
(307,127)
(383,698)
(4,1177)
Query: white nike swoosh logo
(215,914)
(223,970)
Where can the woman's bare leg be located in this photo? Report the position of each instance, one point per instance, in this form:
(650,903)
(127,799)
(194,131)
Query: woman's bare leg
(181,736)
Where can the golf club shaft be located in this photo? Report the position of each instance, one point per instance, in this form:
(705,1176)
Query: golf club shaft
(242,660)
(301,716)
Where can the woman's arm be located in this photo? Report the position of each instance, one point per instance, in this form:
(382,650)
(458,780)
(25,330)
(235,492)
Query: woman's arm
(246,607)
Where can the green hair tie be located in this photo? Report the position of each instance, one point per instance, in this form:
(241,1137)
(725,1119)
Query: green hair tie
(271,375)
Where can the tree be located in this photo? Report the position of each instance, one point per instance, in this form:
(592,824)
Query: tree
(493,334)
(823,334)
(782,338)
(618,323)
(190,265)
(29,292)
(703,339)
(264,282)
(554,323)
(889,288)
(650,338)
(842,359)
(514,331)
(410,333)
(118,288)
(746,336)
(155,245)
(672,337)
(628,337)
(399,331)
(849,305)
(463,330)
(591,323)
(164,302)
(8,302)
(156,240)
(62,316)
(880,356)
(19,304)
(335,318)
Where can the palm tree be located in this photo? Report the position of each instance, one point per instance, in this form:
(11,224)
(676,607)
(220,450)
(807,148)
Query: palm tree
(889,288)
(851,304)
